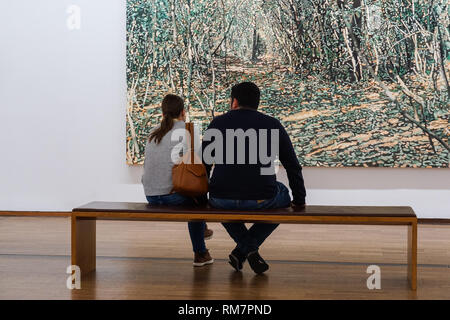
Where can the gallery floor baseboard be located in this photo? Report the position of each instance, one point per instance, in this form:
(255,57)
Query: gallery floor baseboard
(35,213)
(68,214)
(433,221)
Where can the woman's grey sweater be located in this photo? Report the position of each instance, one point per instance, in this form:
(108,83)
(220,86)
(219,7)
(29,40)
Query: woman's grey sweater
(157,177)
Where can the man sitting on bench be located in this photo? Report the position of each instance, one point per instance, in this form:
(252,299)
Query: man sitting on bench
(244,171)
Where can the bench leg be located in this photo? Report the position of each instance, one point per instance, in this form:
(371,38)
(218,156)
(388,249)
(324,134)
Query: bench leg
(412,255)
(84,244)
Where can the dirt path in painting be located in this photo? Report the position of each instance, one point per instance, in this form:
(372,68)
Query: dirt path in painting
(330,124)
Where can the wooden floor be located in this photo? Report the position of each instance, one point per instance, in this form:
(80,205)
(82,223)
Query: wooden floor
(152,260)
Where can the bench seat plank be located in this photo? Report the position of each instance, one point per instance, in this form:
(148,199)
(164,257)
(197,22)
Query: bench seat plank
(100,208)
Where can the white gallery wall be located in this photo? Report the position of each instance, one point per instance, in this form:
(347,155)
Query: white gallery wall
(62,120)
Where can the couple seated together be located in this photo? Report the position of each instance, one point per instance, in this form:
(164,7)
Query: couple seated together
(239,184)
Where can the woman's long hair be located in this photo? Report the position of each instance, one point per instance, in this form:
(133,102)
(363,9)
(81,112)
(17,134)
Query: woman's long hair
(172,106)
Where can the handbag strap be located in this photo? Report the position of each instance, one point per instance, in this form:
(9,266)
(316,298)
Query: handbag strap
(190,129)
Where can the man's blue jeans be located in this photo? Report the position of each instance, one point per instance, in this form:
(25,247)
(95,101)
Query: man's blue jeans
(196,229)
(249,240)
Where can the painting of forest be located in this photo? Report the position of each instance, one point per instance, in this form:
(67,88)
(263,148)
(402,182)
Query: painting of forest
(355,83)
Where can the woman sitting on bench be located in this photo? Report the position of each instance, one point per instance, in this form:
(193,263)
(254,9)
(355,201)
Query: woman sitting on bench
(157,178)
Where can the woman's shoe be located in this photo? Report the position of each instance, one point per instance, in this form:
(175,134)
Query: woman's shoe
(202,259)
(208,233)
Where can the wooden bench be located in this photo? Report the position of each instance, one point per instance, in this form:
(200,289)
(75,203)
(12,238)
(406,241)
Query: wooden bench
(84,222)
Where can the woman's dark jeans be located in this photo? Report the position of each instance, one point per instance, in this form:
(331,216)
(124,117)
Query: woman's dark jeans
(249,240)
(196,229)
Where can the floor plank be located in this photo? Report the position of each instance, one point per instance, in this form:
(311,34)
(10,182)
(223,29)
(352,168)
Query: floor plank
(152,260)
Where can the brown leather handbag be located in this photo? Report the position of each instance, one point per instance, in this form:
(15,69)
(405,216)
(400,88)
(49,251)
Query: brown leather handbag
(190,179)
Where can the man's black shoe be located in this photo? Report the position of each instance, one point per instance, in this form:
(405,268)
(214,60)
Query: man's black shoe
(257,263)
(237,259)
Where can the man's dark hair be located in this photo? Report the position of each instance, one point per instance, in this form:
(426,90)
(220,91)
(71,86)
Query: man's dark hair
(247,94)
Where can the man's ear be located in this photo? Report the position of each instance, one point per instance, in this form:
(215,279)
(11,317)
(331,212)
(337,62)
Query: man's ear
(234,104)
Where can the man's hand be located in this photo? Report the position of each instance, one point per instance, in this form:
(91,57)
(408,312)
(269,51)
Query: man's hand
(298,206)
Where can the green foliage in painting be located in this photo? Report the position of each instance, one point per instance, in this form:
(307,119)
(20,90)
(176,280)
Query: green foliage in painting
(355,83)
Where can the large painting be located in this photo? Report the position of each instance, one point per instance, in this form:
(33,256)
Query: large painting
(356,83)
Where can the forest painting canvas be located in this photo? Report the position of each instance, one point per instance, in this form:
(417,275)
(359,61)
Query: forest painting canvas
(355,83)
